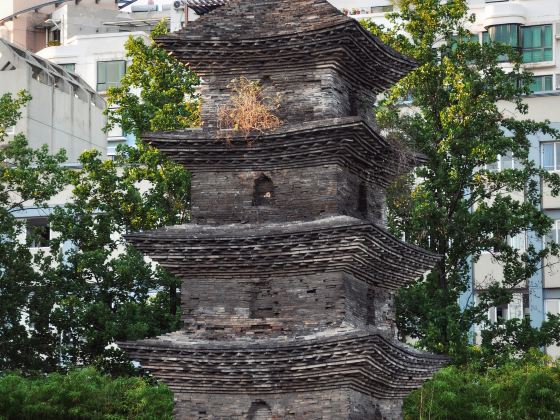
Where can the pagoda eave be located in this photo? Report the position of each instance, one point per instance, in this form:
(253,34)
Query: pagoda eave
(348,47)
(367,363)
(349,142)
(336,244)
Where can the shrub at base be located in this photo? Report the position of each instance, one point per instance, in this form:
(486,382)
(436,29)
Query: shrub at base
(82,394)
(523,389)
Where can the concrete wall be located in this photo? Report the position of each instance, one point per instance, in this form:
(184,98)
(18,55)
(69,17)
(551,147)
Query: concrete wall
(60,116)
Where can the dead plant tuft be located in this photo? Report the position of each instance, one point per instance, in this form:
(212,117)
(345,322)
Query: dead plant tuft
(249,112)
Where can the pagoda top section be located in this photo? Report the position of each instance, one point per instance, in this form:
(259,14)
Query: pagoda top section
(244,36)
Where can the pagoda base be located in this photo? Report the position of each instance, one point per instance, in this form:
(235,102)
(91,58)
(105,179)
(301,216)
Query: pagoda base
(319,405)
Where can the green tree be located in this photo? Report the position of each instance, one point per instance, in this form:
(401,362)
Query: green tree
(107,290)
(111,293)
(455,204)
(28,178)
(157,92)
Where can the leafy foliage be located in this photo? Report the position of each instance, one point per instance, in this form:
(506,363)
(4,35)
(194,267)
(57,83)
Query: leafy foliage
(464,114)
(156,92)
(107,290)
(82,394)
(27,177)
(524,389)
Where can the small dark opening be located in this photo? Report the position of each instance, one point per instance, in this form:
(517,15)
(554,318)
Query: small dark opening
(263,193)
(259,410)
(362,200)
(353,104)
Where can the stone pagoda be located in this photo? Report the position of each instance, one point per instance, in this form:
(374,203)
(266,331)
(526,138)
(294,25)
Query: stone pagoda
(288,273)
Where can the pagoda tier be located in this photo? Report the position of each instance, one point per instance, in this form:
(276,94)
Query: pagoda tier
(344,45)
(337,244)
(314,170)
(262,280)
(322,64)
(367,363)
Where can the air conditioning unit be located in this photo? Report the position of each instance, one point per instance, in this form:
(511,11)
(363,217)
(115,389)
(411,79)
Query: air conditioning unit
(177,4)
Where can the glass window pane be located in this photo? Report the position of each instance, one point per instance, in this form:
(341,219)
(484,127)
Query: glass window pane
(547,41)
(537,43)
(507,161)
(109,74)
(70,67)
(557,160)
(538,55)
(535,85)
(537,36)
(548,156)
(548,83)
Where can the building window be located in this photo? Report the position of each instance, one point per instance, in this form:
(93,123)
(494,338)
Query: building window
(554,234)
(518,242)
(541,83)
(551,156)
(69,67)
(509,34)
(382,9)
(515,309)
(507,161)
(537,43)
(486,39)
(109,74)
(38,232)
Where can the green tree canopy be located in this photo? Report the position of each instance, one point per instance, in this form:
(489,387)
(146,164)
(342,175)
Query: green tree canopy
(110,292)
(456,204)
(157,92)
(28,178)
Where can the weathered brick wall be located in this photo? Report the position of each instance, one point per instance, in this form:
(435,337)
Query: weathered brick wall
(299,194)
(273,306)
(304,95)
(336,404)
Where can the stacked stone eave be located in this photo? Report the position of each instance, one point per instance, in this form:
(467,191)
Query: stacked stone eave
(336,244)
(368,363)
(349,142)
(345,46)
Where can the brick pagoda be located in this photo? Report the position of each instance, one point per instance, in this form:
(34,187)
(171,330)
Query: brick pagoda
(288,273)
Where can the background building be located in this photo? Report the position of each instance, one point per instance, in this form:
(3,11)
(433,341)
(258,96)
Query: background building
(65,113)
(533,26)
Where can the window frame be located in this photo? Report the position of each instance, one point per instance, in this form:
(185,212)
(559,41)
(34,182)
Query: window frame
(542,77)
(106,83)
(37,240)
(543,27)
(555,155)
